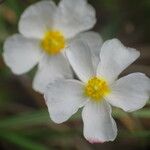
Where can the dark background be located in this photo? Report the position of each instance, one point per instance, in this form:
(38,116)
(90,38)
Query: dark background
(24,120)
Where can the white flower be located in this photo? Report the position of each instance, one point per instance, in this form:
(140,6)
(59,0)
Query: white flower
(45,32)
(98,89)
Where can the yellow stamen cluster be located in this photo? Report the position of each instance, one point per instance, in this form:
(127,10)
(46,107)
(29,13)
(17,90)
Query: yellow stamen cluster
(96,89)
(53,42)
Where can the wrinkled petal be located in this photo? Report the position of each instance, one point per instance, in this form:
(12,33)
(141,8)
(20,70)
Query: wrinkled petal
(74,16)
(21,54)
(37,19)
(63,99)
(99,126)
(130,92)
(80,58)
(50,69)
(94,42)
(114,59)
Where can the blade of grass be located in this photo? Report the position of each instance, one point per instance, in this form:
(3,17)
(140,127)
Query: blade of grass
(26,119)
(42,117)
(143,113)
(21,141)
(140,134)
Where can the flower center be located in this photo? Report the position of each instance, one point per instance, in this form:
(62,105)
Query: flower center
(53,42)
(96,88)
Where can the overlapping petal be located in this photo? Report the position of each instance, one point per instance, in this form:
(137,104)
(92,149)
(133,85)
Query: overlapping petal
(50,69)
(79,56)
(94,42)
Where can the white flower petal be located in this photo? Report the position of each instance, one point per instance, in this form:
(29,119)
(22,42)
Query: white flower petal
(63,98)
(37,19)
(74,16)
(130,92)
(21,54)
(51,68)
(114,59)
(80,58)
(99,126)
(94,42)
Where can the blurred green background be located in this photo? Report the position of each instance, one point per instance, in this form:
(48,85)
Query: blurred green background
(24,120)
